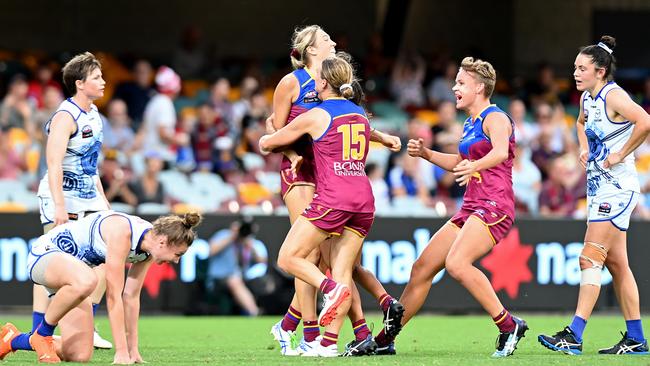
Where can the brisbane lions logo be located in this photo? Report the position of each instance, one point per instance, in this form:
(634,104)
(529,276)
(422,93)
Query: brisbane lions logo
(65,242)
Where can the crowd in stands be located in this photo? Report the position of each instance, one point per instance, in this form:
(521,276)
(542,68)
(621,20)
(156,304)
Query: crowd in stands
(180,134)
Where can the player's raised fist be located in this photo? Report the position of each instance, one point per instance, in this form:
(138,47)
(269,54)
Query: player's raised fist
(415,148)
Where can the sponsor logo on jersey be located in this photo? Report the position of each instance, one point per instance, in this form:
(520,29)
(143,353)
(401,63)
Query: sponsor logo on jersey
(349,168)
(597,116)
(86,132)
(604,208)
(311,97)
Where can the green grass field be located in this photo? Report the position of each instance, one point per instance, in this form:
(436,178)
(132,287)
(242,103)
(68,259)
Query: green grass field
(428,340)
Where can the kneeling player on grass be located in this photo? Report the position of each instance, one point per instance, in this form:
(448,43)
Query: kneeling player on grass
(61,261)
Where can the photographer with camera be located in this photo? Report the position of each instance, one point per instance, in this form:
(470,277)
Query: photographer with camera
(233,252)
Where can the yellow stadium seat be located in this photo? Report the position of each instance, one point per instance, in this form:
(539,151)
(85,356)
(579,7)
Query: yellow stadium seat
(253,193)
(268,94)
(18,136)
(428,115)
(235,94)
(192,87)
(643,163)
(12,207)
(181,208)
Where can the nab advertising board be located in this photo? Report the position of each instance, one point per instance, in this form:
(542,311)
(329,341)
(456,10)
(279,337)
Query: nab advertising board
(535,267)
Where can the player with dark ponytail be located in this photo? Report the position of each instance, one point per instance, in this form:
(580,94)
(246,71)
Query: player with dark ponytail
(610,127)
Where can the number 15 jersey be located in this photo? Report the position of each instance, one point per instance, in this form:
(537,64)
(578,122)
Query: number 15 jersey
(340,159)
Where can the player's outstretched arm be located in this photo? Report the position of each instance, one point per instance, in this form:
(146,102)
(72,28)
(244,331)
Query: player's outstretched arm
(392,142)
(116,231)
(131,301)
(447,162)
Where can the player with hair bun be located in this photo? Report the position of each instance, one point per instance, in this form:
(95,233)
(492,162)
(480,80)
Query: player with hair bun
(610,127)
(344,206)
(296,94)
(62,262)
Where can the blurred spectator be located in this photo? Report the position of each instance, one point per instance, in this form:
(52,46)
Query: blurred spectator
(564,187)
(185,127)
(189,58)
(554,137)
(115,180)
(526,181)
(204,136)
(406,81)
(248,87)
(232,252)
(16,109)
(445,180)
(147,188)
(419,129)
(379,187)
(253,123)
(118,134)
(544,89)
(36,88)
(52,98)
(12,164)
(405,179)
(226,163)
(219,100)
(137,93)
(526,133)
(440,88)
(448,124)
(160,116)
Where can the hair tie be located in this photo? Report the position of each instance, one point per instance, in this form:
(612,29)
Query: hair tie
(295,53)
(345,86)
(604,46)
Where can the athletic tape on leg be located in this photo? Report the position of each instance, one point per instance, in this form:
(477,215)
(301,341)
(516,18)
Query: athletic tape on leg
(595,254)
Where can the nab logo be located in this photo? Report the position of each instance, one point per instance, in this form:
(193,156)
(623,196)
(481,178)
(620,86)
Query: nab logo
(391,263)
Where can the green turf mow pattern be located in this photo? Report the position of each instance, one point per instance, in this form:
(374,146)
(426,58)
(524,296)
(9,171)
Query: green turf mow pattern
(428,340)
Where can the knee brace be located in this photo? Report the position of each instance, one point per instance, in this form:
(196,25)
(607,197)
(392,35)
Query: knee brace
(595,254)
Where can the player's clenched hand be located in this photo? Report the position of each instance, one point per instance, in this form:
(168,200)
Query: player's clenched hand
(296,162)
(269,124)
(415,148)
(263,139)
(612,159)
(60,215)
(394,143)
(584,155)
(464,171)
